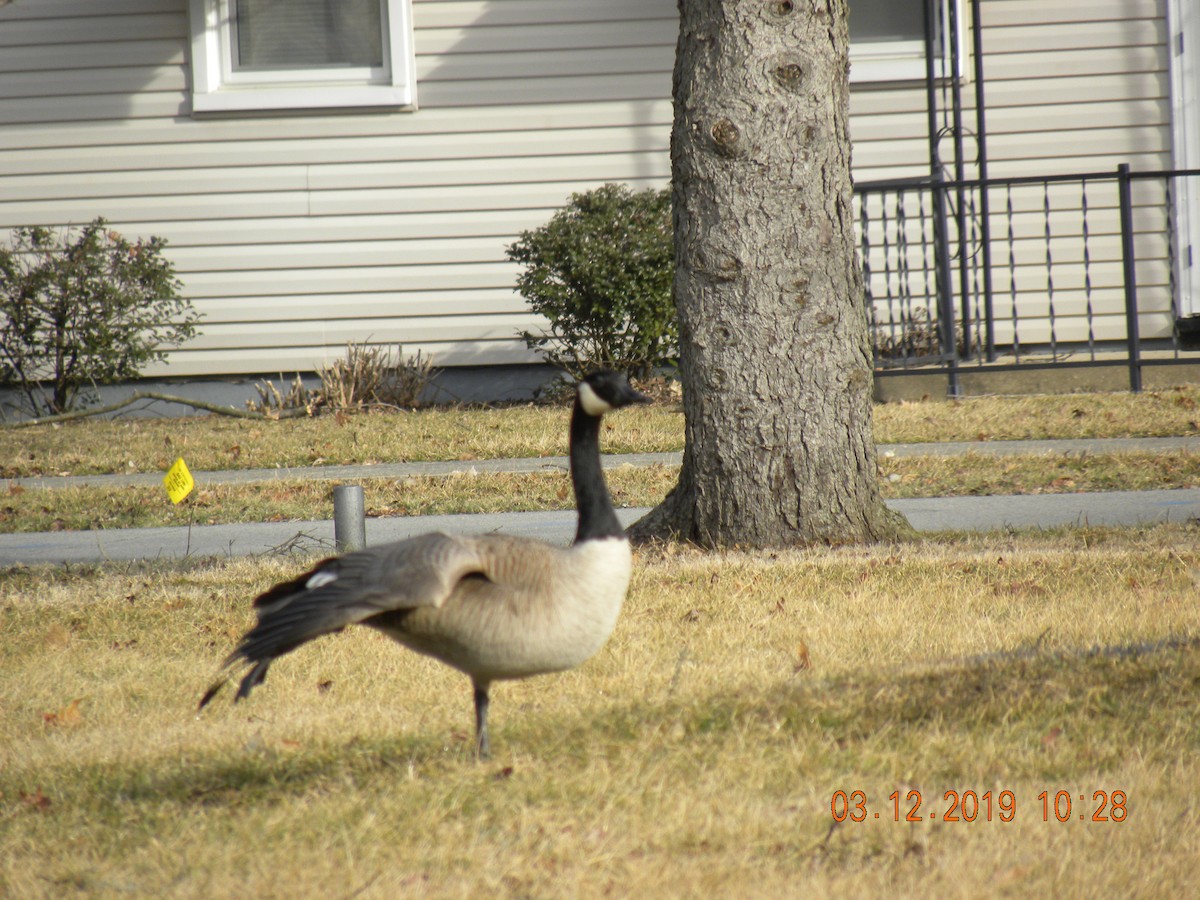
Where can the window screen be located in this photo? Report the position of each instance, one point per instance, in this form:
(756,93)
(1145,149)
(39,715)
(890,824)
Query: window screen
(307,34)
(873,21)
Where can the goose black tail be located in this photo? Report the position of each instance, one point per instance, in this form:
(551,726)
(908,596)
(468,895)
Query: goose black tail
(289,614)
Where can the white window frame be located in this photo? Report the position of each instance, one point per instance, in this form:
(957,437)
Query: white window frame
(216,88)
(1184,49)
(884,61)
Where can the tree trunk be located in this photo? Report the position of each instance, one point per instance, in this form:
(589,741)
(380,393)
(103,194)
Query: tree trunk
(775,362)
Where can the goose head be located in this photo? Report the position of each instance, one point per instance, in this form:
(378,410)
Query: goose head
(604,390)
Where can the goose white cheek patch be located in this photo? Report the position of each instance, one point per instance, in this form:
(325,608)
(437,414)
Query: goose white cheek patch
(591,402)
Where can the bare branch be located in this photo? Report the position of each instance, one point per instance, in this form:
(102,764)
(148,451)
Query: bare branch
(154,395)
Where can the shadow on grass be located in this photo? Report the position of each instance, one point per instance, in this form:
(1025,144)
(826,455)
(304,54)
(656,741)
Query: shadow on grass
(1035,713)
(1039,713)
(259,773)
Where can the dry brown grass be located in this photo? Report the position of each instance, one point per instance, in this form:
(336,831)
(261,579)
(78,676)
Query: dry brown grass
(211,443)
(93,508)
(1041,473)
(697,754)
(1149,414)
(84,507)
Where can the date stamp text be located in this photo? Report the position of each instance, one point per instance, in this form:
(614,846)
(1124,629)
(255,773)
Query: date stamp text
(973,806)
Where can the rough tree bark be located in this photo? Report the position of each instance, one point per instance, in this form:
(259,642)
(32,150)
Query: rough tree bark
(775,366)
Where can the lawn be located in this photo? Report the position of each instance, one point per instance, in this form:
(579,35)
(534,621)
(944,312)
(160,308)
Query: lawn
(468,435)
(746,702)
(213,442)
(699,753)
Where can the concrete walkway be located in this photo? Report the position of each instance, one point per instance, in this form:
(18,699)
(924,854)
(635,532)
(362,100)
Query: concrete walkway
(927,515)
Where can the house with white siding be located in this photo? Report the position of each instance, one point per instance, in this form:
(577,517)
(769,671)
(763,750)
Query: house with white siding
(329,171)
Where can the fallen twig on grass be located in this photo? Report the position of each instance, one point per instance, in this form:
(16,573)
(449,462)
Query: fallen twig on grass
(153,395)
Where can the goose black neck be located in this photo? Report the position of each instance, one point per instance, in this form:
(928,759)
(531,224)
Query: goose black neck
(597,518)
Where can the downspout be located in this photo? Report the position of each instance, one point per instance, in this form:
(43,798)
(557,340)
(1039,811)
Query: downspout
(960,174)
(985,230)
(941,231)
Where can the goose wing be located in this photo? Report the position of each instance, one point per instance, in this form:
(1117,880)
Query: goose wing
(341,591)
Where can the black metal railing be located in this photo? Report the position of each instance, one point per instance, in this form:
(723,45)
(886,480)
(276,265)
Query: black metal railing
(1021,273)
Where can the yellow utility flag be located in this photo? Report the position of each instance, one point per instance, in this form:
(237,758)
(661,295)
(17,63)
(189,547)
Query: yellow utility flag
(178,481)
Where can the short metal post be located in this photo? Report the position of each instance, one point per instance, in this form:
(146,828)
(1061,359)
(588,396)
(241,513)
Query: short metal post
(349,518)
(1129,262)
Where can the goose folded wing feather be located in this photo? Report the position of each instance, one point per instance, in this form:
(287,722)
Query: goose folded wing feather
(421,571)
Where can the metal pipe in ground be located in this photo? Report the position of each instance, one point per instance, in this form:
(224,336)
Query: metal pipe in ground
(349,518)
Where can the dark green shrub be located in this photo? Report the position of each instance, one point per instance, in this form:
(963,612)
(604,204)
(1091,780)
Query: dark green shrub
(600,272)
(82,308)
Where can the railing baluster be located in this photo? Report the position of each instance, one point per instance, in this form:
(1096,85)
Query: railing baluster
(1172,260)
(902,287)
(927,263)
(982,329)
(864,218)
(901,343)
(1012,275)
(887,273)
(1087,274)
(1049,271)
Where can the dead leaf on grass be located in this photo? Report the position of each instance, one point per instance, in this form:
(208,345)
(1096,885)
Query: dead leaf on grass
(67,717)
(803,658)
(37,800)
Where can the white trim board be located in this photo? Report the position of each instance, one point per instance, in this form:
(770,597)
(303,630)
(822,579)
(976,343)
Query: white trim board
(1183,17)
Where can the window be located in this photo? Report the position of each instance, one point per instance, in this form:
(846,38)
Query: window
(301,54)
(887,39)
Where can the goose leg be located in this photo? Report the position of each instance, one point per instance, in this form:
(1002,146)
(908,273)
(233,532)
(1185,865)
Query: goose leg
(482,751)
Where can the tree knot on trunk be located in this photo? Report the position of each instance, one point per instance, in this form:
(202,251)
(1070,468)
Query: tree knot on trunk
(718,266)
(789,74)
(726,137)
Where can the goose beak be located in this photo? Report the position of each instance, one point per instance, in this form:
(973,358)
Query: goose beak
(630,395)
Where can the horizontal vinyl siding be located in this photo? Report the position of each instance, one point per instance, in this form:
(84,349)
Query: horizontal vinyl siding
(1095,69)
(1078,87)
(294,234)
(1070,87)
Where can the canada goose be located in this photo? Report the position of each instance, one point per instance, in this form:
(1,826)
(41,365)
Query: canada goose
(493,607)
